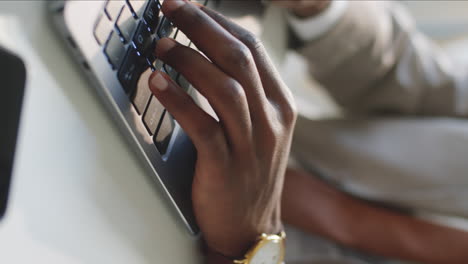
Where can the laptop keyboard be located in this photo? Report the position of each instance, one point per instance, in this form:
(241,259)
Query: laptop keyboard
(128,32)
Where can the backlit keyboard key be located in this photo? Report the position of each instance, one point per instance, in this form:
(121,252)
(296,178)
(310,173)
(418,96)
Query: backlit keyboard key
(151,15)
(153,115)
(164,133)
(114,50)
(142,93)
(182,38)
(142,39)
(158,65)
(126,23)
(183,83)
(170,71)
(166,29)
(149,61)
(130,70)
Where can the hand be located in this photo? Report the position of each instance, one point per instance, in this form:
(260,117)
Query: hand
(304,8)
(241,159)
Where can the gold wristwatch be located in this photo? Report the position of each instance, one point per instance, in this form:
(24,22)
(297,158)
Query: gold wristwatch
(269,249)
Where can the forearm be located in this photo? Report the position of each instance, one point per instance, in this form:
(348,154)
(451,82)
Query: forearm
(389,233)
(317,208)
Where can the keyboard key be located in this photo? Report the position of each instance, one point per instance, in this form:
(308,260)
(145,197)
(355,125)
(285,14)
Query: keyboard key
(126,24)
(158,65)
(142,92)
(142,39)
(166,30)
(113,8)
(103,29)
(182,38)
(170,71)
(153,115)
(149,61)
(163,136)
(130,70)
(151,15)
(114,50)
(137,7)
(183,83)
(150,57)
(150,54)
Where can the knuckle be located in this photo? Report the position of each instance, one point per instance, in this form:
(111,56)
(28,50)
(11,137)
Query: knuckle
(271,135)
(280,124)
(289,112)
(233,89)
(240,56)
(272,129)
(250,40)
(286,109)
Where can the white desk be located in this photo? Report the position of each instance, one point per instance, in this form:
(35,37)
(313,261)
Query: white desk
(78,194)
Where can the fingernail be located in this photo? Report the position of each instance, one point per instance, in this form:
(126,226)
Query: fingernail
(171,5)
(164,45)
(159,82)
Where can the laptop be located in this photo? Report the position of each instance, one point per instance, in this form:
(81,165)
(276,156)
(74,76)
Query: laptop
(113,42)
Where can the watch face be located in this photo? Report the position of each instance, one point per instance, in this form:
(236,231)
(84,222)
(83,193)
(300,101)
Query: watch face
(270,253)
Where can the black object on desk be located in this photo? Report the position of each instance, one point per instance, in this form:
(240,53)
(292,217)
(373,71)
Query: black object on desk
(12,81)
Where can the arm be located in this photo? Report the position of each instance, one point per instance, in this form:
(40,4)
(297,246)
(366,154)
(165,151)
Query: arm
(374,60)
(242,155)
(315,207)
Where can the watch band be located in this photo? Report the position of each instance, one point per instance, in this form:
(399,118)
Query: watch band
(218,257)
(264,237)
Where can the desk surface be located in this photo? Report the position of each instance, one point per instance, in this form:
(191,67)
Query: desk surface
(78,194)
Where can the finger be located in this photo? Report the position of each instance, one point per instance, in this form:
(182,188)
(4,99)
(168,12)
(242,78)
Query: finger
(274,87)
(205,132)
(223,49)
(224,94)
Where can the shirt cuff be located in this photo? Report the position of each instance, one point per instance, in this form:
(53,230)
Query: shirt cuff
(314,27)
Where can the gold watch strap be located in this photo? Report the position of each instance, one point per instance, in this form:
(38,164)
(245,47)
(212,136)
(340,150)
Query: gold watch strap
(263,237)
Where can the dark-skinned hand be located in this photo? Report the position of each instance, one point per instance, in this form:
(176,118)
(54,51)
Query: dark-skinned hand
(242,157)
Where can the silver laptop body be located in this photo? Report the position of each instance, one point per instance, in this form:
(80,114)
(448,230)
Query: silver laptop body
(113,42)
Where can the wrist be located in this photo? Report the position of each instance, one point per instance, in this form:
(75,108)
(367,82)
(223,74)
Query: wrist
(235,248)
(234,244)
(268,248)
(213,257)
(312,10)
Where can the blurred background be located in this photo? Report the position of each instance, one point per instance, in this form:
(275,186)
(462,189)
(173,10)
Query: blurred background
(446,22)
